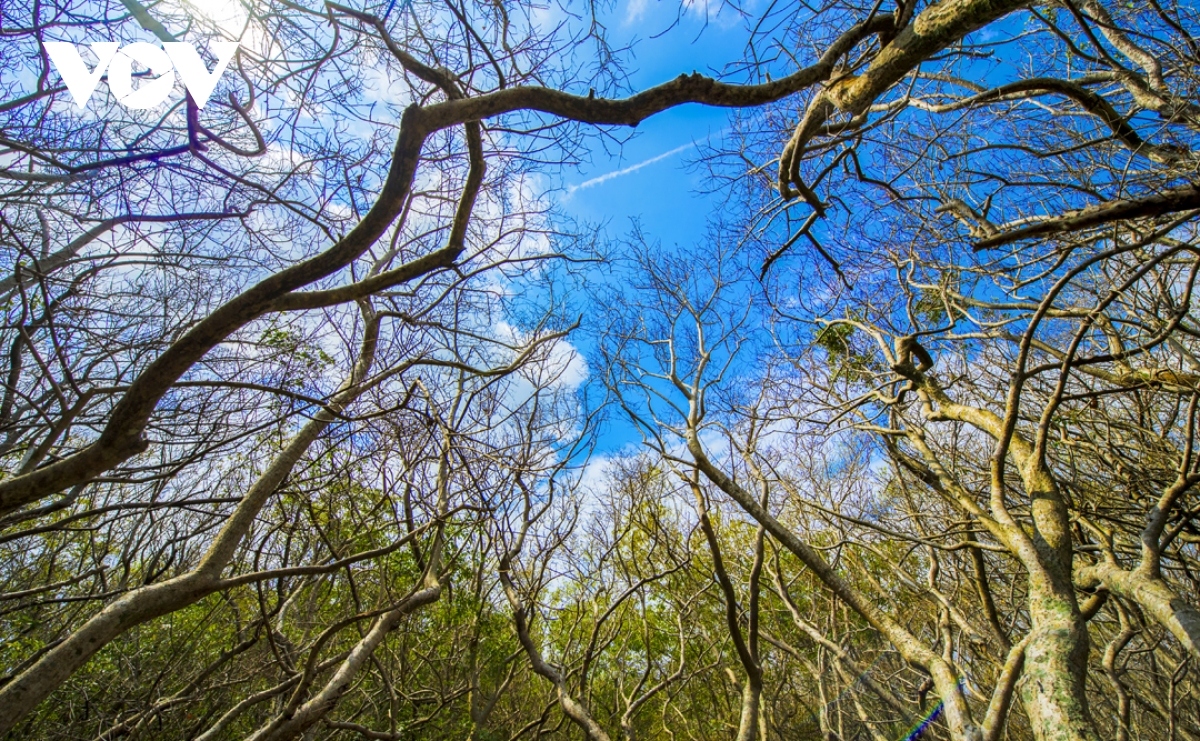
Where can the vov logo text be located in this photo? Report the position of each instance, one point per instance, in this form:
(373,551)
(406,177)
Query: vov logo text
(118,61)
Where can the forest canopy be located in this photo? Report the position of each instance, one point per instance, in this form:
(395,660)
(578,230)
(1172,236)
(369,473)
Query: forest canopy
(320,419)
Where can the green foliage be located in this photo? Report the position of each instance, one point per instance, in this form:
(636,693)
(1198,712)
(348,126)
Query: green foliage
(309,355)
(847,358)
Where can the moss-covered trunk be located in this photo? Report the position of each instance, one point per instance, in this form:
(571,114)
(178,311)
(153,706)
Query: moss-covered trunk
(1053,690)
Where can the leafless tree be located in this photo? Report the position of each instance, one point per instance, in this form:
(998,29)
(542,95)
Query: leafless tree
(270,391)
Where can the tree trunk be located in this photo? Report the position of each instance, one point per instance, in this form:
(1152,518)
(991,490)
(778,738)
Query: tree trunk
(1053,689)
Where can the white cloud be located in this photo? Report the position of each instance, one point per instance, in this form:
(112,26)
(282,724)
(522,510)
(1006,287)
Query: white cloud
(597,476)
(635,10)
(563,366)
(570,365)
(716,12)
(228,15)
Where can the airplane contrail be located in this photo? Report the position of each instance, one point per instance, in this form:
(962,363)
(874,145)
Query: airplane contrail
(625,171)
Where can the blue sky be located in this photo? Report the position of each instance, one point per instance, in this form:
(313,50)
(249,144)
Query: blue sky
(648,178)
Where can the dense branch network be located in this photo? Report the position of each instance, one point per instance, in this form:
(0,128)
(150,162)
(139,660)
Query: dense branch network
(294,445)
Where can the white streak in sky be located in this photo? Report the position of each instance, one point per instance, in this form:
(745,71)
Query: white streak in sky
(626,171)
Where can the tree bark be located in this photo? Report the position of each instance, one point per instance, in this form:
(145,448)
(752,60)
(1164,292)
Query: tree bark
(1153,595)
